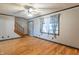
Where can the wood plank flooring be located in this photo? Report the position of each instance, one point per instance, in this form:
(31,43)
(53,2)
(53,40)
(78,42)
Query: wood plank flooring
(34,46)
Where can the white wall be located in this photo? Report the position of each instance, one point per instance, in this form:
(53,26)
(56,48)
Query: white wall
(7,27)
(69,27)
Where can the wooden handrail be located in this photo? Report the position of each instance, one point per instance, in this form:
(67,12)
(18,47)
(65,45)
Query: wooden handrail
(19,27)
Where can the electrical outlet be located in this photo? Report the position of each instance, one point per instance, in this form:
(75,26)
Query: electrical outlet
(2,36)
(52,38)
(8,36)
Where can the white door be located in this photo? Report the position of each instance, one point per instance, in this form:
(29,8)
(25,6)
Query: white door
(31,28)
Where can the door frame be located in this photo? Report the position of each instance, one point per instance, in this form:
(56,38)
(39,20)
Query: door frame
(32,27)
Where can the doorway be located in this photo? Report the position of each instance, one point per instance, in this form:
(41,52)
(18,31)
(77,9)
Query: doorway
(31,28)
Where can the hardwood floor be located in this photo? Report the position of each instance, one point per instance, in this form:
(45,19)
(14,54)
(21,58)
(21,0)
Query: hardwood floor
(34,46)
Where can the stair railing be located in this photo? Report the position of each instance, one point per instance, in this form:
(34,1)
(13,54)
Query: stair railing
(18,27)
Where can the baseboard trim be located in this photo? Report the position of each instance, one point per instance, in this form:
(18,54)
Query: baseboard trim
(43,39)
(13,38)
(10,39)
(58,43)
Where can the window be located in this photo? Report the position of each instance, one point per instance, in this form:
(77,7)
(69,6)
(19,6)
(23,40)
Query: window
(45,25)
(50,25)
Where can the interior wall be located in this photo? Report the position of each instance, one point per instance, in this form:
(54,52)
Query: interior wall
(7,27)
(69,26)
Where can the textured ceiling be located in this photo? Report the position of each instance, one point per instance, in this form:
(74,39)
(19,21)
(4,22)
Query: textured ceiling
(44,8)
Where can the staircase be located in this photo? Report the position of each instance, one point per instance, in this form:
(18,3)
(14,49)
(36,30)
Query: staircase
(19,29)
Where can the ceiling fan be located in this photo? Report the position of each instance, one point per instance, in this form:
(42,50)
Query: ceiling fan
(28,9)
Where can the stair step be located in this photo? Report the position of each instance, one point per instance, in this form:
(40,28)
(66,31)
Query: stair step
(19,33)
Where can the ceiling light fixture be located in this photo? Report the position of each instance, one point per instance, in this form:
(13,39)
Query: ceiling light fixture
(30,10)
(30,15)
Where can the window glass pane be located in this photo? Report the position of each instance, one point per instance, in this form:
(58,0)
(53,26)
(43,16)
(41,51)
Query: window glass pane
(45,25)
(50,24)
(50,28)
(57,27)
(45,28)
(56,32)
